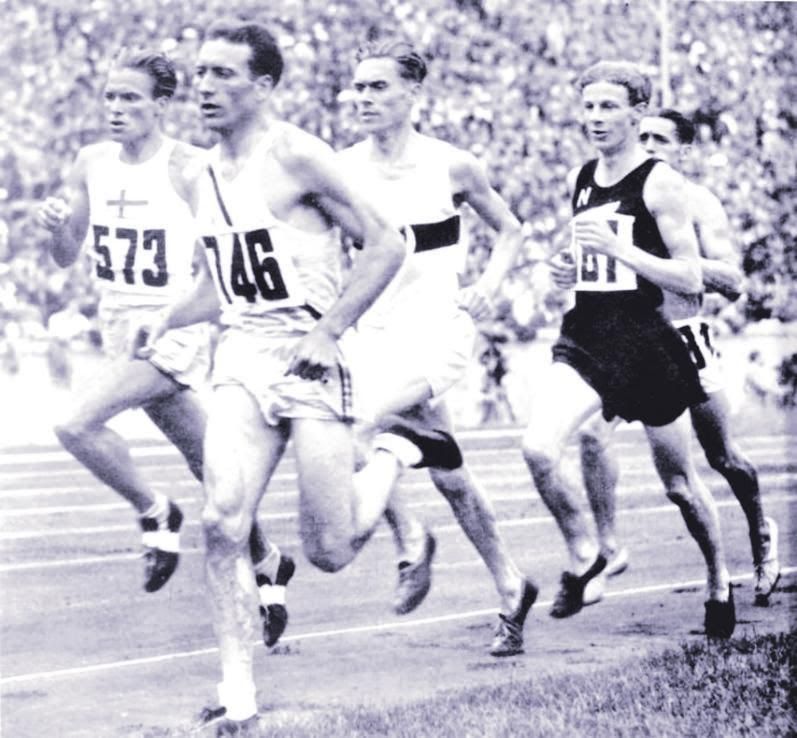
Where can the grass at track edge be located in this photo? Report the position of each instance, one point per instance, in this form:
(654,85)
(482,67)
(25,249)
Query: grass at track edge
(741,687)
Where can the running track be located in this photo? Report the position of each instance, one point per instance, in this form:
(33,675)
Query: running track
(85,652)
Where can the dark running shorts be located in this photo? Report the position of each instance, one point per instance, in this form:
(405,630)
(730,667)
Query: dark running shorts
(635,360)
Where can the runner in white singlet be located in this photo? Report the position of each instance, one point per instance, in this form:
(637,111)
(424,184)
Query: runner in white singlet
(418,338)
(266,203)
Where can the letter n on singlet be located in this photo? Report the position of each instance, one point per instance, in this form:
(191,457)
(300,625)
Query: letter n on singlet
(583,197)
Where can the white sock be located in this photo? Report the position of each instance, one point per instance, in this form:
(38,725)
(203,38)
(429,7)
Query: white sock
(238,697)
(405,451)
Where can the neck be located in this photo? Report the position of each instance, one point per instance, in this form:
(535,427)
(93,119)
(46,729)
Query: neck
(238,141)
(390,144)
(614,164)
(142,148)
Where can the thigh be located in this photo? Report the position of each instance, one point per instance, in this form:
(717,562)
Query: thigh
(710,421)
(599,429)
(241,452)
(325,467)
(120,385)
(182,418)
(561,400)
(670,445)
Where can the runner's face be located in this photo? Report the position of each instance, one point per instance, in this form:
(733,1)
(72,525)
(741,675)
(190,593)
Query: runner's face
(383,99)
(609,118)
(228,92)
(130,110)
(659,136)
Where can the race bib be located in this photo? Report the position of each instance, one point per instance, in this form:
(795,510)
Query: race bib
(597,272)
(250,269)
(129,257)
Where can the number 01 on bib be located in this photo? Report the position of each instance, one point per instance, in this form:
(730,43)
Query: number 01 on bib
(597,272)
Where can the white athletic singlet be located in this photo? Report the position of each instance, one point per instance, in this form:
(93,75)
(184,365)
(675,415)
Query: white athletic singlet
(266,271)
(141,232)
(417,197)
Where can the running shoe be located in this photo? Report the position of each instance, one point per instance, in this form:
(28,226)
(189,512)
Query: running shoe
(215,718)
(273,610)
(720,619)
(617,563)
(767,571)
(570,598)
(161,540)
(415,579)
(508,639)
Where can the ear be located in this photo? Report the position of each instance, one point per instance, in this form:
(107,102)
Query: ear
(161,103)
(640,110)
(265,83)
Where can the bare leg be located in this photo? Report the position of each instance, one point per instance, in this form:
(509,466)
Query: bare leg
(122,385)
(600,471)
(338,510)
(670,446)
(710,421)
(241,453)
(563,402)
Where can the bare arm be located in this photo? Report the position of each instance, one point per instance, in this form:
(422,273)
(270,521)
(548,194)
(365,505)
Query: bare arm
(470,180)
(665,196)
(196,305)
(719,256)
(67,217)
(314,166)
(382,243)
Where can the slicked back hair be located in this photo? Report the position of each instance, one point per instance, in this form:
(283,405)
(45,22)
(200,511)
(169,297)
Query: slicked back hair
(266,56)
(684,128)
(411,64)
(626,74)
(154,63)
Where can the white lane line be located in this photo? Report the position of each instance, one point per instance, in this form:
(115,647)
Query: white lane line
(160,450)
(446,528)
(353,631)
(627,490)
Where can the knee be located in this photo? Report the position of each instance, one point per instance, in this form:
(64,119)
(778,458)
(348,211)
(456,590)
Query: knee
(721,462)
(71,433)
(327,552)
(678,490)
(225,526)
(540,456)
(453,485)
(590,445)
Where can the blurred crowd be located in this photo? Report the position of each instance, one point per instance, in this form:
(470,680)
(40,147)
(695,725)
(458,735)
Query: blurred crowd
(500,84)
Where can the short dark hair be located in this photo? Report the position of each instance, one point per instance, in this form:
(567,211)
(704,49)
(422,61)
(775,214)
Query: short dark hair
(266,55)
(390,45)
(154,63)
(684,128)
(624,73)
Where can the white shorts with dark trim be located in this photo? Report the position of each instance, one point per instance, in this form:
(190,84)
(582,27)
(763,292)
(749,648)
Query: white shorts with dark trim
(386,358)
(258,363)
(699,338)
(183,353)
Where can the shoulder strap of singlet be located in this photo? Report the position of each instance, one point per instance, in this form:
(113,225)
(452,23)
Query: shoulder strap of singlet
(584,177)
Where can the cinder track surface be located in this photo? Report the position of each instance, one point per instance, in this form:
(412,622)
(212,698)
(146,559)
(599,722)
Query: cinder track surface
(86,652)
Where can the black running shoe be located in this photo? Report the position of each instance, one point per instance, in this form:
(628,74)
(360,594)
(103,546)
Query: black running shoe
(720,619)
(216,718)
(275,614)
(415,579)
(438,448)
(570,598)
(508,640)
(161,548)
